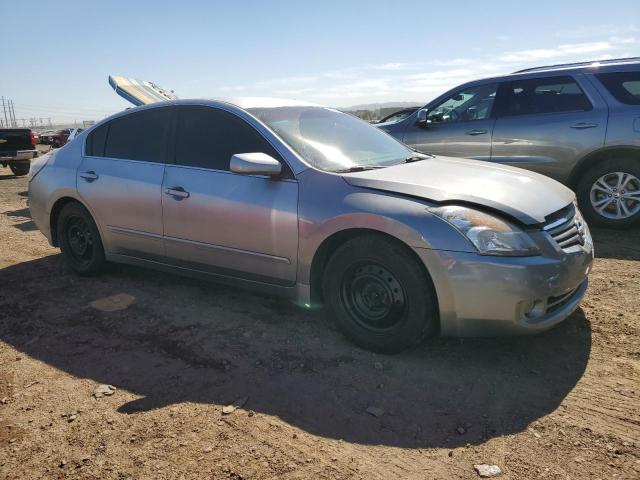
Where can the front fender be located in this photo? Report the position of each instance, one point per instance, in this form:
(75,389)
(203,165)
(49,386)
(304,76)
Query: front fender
(348,208)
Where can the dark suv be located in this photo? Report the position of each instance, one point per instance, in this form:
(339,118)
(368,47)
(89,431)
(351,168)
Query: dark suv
(577,123)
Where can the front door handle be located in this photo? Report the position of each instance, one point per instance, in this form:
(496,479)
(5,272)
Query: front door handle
(177,192)
(476,132)
(89,176)
(583,125)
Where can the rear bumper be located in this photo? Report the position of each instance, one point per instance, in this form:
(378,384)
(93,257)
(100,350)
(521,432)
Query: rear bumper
(18,156)
(487,296)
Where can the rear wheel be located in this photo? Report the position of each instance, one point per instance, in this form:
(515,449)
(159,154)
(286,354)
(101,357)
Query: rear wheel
(20,169)
(609,194)
(80,240)
(380,296)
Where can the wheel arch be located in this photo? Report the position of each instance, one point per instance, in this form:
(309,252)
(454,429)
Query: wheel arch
(330,244)
(56,208)
(601,155)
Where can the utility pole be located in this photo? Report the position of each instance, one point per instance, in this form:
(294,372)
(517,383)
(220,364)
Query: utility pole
(5,113)
(13,115)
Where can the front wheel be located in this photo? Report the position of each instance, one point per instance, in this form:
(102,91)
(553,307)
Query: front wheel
(609,194)
(381,297)
(20,169)
(80,240)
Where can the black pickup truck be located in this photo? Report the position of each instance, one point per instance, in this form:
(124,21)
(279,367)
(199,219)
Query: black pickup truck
(17,148)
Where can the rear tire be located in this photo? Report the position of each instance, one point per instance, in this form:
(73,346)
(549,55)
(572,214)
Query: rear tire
(609,193)
(20,169)
(80,241)
(380,296)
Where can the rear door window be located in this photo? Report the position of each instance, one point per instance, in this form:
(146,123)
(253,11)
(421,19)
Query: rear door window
(544,95)
(138,136)
(207,138)
(624,86)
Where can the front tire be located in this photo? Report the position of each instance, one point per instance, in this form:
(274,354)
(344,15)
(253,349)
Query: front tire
(80,241)
(609,193)
(380,296)
(20,169)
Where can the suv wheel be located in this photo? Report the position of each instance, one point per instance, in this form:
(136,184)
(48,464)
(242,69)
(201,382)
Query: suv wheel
(381,298)
(20,169)
(609,194)
(80,240)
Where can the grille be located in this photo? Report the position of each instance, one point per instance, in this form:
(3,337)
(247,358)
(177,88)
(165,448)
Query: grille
(567,228)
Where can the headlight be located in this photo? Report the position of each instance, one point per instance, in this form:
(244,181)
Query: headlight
(489,234)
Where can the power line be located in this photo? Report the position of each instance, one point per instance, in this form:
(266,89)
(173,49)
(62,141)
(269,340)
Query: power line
(27,106)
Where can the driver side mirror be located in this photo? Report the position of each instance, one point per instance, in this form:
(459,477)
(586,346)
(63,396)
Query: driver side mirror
(255,164)
(422,117)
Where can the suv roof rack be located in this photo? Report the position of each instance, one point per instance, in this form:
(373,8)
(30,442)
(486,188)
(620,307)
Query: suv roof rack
(593,63)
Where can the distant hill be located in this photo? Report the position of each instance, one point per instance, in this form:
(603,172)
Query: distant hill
(377,106)
(372,112)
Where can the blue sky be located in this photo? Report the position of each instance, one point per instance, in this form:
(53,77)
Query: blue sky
(56,56)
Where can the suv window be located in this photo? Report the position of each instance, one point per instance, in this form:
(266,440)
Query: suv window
(473,103)
(207,138)
(624,86)
(545,95)
(138,136)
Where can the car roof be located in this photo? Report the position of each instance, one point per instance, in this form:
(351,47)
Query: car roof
(596,66)
(265,102)
(236,105)
(607,65)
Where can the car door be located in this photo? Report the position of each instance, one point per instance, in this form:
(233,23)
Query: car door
(459,126)
(225,223)
(547,124)
(120,180)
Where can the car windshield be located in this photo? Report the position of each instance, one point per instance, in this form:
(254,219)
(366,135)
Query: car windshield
(331,140)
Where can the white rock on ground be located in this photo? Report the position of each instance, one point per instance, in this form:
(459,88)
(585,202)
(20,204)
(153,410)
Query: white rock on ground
(103,391)
(487,471)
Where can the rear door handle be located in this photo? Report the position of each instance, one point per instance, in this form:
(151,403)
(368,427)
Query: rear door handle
(583,125)
(89,176)
(476,132)
(177,192)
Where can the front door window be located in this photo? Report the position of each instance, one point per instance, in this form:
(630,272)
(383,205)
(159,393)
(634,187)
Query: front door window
(473,103)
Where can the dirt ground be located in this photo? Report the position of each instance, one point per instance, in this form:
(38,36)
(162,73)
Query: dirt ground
(561,405)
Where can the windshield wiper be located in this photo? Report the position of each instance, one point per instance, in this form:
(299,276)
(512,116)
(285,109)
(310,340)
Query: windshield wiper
(358,168)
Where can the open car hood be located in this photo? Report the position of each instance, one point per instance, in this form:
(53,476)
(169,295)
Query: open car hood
(139,92)
(526,196)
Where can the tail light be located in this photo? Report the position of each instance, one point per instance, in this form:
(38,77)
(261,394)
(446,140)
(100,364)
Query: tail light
(33,138)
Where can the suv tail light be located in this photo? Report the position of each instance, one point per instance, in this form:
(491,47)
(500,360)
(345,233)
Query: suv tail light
(33,139)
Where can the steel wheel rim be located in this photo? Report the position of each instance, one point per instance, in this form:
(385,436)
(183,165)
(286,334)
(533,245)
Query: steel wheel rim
(373,297)
(616,195)
(80,239)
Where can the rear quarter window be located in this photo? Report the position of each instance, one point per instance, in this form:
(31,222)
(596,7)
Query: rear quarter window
(624,86)
(96,141)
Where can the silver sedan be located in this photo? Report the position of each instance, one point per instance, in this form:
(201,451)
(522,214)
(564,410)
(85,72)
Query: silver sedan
(304,201)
